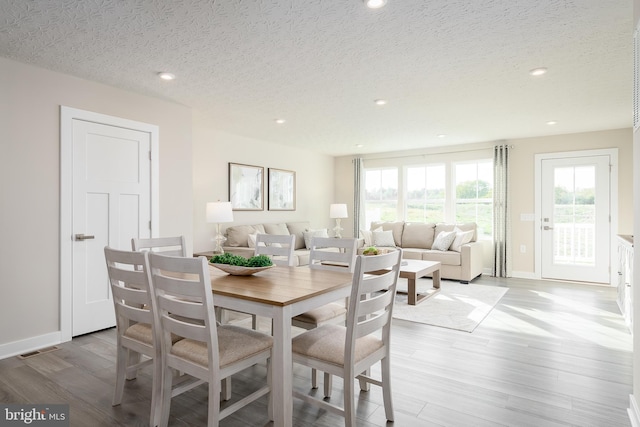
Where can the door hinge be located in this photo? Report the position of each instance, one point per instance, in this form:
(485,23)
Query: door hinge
(149,225)
(150,155)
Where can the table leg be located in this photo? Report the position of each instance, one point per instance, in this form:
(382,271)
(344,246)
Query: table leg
(282,368)
(436,278)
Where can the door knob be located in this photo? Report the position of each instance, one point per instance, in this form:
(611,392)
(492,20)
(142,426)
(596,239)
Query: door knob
(83,237)
(546,227)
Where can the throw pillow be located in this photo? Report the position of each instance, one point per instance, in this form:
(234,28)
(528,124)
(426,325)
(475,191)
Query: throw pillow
(444,240)
(367,236)
(462,237)
(251,240)
(313,233)
(383,238)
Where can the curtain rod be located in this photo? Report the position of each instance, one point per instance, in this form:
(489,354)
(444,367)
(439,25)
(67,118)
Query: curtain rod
(428,154)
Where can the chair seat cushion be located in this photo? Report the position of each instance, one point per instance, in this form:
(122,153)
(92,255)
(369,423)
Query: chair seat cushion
(142,332)
(327,342)
(234,343)
(322,314)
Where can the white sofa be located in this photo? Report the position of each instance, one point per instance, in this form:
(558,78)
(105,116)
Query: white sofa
(463,263)
(238,238)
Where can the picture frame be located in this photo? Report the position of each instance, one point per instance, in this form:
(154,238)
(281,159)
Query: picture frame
(246,184)
(282,190)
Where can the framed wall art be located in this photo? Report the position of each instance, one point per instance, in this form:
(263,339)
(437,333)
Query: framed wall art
(246,185)
(282,190)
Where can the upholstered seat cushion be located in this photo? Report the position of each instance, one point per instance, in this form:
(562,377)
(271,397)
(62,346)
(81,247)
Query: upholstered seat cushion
(326,343)
(142,332)
(322,314)
(234,343)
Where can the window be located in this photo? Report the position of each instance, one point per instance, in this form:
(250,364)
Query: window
(474,195)
(425,193)
(381,195)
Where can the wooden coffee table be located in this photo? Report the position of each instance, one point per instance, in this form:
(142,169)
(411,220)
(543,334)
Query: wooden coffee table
(412,270)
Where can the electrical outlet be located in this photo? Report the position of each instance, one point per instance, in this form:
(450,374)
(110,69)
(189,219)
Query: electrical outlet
(523,249)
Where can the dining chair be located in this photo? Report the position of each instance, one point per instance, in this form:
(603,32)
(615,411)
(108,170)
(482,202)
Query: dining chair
(207,352)
(174,246)
(136,323)
(349,352)
(279,247)
(327,253)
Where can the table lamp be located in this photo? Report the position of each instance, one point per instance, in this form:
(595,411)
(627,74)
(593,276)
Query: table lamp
(338,211)
(219,212)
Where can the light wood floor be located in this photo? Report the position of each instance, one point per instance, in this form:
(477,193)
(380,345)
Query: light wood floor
(549,354)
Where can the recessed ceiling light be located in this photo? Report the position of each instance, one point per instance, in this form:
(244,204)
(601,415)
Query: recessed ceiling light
(380,102)
(442,135)
(375,4)
(552,122)
(166,76)
(359,145)
(280,121)
(538,71)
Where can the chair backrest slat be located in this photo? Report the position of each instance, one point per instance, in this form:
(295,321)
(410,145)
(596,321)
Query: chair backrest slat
(328,253)
(171,246)
(275,246)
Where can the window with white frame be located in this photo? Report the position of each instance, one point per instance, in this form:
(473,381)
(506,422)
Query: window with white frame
(425,195)
(473,195)
(381,195)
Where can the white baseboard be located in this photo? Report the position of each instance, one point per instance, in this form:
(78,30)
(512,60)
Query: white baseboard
(524,275)
(634,413)
(30,344)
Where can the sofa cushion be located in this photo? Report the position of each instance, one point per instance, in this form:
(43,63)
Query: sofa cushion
(445,258)
(276,229)
(395,227)
(238,235)
(418,235)
(297,228)
(412,253)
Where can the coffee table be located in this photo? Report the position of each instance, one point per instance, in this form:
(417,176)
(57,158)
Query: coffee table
(412,270)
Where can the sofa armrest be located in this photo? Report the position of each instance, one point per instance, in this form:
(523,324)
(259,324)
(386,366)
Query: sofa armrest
(471,260)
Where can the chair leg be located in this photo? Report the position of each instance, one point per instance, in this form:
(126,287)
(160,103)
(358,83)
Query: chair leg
(328,385)
(364,385)
(133,359)
(156,394)
(214,403)
(226,388)
(386,388)
(349,402)
(271,402)
(165,405)
(121,370)
(314,378)
(254,322)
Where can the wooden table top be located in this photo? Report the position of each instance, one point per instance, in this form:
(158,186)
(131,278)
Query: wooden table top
(278,285)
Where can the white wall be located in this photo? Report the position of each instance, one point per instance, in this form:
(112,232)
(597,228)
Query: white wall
(30,100)
(212,152)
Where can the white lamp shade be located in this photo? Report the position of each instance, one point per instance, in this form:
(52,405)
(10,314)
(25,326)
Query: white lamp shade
(219,212)
(338,210)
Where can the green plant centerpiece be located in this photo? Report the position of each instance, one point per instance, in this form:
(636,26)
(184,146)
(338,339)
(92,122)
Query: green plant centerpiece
(240,261)
(236,265)
(371,250)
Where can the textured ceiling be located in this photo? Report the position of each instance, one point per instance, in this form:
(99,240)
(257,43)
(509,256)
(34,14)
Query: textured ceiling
(454,67)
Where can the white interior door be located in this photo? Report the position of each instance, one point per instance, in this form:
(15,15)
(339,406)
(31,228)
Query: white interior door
(111,204)
(575,212)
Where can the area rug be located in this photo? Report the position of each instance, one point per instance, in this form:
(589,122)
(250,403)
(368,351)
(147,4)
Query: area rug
(456,306)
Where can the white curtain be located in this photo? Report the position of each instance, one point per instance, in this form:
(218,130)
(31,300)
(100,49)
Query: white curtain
(358,195)
(501,212)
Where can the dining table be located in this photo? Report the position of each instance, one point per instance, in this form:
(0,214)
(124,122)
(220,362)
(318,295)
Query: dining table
(280,293)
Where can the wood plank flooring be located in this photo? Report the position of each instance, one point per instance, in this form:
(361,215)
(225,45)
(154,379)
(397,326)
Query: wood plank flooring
(549,354)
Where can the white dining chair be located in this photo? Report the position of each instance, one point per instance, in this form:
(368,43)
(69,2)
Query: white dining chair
(207,352)
(136,323)
(174,246)
(349,352)
(279,247)
(327,253)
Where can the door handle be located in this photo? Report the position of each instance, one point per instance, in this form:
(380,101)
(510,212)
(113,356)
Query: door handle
(546,227)
(83,237)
